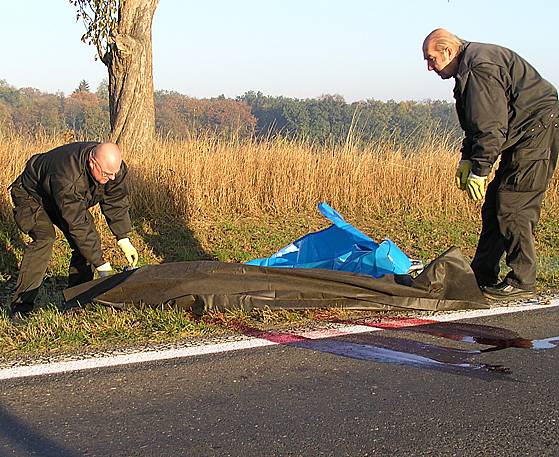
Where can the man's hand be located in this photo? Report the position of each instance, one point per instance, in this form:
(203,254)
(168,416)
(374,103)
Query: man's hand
(129,251)
(104,270)
(462,172)
(475,186)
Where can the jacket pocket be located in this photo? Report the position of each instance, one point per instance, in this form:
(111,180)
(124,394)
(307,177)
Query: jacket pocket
(25,208)
(25,217)
(528,171)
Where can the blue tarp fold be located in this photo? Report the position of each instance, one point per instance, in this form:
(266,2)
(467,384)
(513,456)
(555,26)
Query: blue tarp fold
(340,247)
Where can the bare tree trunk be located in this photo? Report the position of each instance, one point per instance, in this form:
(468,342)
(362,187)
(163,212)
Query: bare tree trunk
(129,62)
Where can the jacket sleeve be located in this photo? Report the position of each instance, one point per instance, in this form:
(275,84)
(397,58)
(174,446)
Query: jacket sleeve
(466,149)
(115,204)
(73,208)
(486,117)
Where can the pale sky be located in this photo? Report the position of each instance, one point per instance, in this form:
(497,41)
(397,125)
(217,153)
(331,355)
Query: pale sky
(359,49)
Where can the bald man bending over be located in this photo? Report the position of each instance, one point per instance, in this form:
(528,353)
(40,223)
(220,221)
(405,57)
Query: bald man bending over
(506,110)
(57,188)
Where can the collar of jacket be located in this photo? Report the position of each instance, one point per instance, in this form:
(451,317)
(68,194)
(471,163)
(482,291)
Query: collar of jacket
(462,68)
(92,181)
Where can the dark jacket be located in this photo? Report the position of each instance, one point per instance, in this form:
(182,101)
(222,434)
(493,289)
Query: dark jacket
(499,98)
(61,182)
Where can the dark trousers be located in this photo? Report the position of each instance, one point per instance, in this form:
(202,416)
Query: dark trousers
(33,219)
(511,210)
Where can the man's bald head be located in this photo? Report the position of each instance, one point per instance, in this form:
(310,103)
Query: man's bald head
(108,154)
(105,162)
(441,39)
(441,50)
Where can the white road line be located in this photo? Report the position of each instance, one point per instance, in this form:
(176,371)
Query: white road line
(151,356)
(493,311)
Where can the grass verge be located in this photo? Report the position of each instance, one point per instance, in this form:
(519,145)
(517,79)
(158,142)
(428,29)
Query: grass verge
(97,328)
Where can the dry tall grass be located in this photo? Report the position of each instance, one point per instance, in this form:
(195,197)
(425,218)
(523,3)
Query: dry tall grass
(209,176)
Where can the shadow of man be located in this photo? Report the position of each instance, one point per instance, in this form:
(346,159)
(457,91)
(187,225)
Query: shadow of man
(164,230)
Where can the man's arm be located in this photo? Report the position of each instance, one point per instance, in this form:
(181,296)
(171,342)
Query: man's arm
(486,116)
(74,211)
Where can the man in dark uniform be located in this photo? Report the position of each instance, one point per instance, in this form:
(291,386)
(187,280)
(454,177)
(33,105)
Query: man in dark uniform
(57,188)
(506,109)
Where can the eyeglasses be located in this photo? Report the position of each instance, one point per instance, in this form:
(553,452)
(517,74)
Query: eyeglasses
(104,174)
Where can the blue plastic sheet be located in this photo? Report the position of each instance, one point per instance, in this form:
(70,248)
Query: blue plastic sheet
(340,247)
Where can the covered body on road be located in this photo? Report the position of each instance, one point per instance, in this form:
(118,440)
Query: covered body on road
(447,283)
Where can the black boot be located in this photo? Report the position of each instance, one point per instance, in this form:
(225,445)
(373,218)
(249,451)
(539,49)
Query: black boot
(19,312)
(505,291)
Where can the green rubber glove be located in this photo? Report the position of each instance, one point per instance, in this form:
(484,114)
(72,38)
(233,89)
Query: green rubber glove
(129,251)
(475,185)
(462,172)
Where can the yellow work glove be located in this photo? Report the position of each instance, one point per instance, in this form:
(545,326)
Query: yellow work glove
(104,270)
(475,185)
(129,251)
(462,172)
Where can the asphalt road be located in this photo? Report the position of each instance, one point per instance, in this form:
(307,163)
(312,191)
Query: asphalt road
(446,389)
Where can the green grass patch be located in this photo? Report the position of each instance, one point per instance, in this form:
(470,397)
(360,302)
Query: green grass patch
(96,327)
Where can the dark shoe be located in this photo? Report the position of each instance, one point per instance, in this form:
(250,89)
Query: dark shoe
(20,312)
(504,291)
(18,319)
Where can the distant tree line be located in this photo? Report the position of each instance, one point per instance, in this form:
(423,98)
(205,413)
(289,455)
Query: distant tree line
(179,116)
(324,119)
(29,110)
(330,118)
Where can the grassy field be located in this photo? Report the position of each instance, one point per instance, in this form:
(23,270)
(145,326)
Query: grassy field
(233,200)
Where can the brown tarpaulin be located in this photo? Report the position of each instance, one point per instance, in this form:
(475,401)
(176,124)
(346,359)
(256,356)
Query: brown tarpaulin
(447,283)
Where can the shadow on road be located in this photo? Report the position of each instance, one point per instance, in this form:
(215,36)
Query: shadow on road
(18,438)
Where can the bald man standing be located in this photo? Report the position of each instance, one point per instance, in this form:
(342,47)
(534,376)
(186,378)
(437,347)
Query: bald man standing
(506,110)
(57,188)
